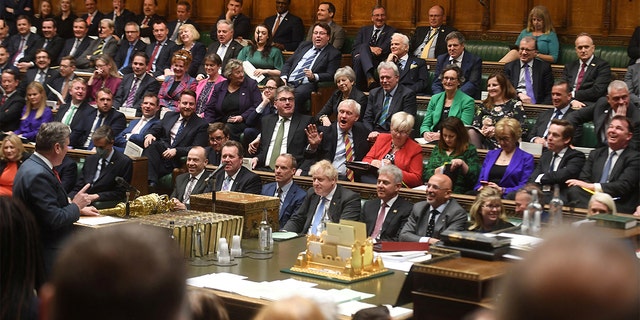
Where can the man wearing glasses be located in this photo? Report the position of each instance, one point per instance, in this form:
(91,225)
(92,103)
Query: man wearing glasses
(532,77)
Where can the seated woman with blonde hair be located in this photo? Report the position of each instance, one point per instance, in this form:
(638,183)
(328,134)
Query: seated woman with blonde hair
(487,212)
(601,202)
(12,156)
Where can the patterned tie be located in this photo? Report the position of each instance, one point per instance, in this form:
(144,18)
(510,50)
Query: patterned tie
(226,185)
(145,21)
(581,76)
(385,110)
(99,48)
(299,75)
(374,37)
(152,58)
(279,194)
(317,217)
(349,154)
(20,53)
(429,42)
(379,221)
(528,83)
(187,193)
(128,58)
(276,25)
(180,129)
(607,168)
(277,146)
(132,93)
(41,77)
(432,223)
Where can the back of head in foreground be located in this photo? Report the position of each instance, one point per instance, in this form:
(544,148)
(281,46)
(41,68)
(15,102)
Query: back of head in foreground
(294,308)
(119,272)
(574,274)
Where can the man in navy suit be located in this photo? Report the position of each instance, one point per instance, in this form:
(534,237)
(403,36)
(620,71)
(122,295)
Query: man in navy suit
(241,23)
(218,136)
(120,16)
(23,43)
(235,177)
(61,82)
(183,16)
(79,43)
(561,100)
(5,61)
(136,85)
(41,73)
(385,223)
(413,71)
(92,17)
(128,47)
(50,42)
(371,46)
(289,193)
(287,29)
(589,75)
(12,101)
(191,182)
(470,64)
(225,46)
(539,72)
(137,129)
(103,115)
(312,62)
(101,169)
(160,50)
(36,184)
(432,37)
(171,138)
(148,17)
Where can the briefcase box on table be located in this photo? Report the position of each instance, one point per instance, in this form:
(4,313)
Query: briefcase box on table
(250,206)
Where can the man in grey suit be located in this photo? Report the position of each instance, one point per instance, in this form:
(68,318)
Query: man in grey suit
(440,212)
(191,182)
(325,201)
(386,215)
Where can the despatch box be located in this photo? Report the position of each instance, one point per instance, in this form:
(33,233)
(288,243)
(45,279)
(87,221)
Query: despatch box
(249,206)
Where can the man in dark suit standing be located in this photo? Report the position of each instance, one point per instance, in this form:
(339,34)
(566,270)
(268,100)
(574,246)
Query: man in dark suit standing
(218,136)
(559,162)
(370,47)
(36,184)
(531,77)
(345,140)
(413,71)
(137,129)
(101,169)
(235,177)
(183,16)
(386,215)
(12,101)
(613,169)
(438,213)
(326,201)
(148,17)
(388,99)
(287,29)
(160,50)
(312,62)
(136,85)
(172,137)
(128,46)
(470,64)
(429,42)
(284,188)
(192,182)
(105,115)
(79,43)
(92,17)
(241,23)
(75,114)
(589,75)
(561,100)
(273,140)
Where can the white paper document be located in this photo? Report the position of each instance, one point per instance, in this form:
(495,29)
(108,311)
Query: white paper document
(96,221)
(249,69)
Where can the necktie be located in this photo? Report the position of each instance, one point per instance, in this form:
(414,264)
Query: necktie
(454,61)
(400,64)
(349,154)
(102,166)
(55,172)
(132,93)
(553,162)
(3,100)
(187,193)
(279,194)
(46,43)
(89,18)
(145,22)
(385,110)
(277,146)
(528,83)
(222,49)
(152,58)
(226,185)
(558,114)
(607,168)
(317,218)
(299,73)
(75,47)
(180,129)
(276,25)
(379,221)
(432,223)
(99,122)
(99,48)
(428,43)
(128,58)
(581,76)
(20,53)
(41,77)
(374,37)
(67,119)
(174,35)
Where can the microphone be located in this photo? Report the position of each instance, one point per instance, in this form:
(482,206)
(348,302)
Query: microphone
(123,183)
(214,172)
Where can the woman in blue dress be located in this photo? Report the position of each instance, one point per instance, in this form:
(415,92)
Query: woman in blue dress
(541,28)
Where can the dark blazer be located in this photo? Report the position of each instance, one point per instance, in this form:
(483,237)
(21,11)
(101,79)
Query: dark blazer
(193,134)
(120,21)
(420,35)
(105,186)
(296,140)
(331,107)
(414,75)
(13,44)
(397,216)
(148,31)
(345,204)
(598,113)
(542,121)
(171,25)
(542,78)
(250,97)
(246,181)
(31,75)
(113,118)
(121,142)
(452,218)
(95,22)
(471,69)
(164,56)
(109,48)
(68,46)
(121,54)
(68,172)
(53,49)
(292,202)
(65,26)
(623,179)
(80,124)
(325,65)
(568,168)
(404,99)
(11,111)
(517,173)
(327,148)
(232,52)
(198,51)
(595,82)
(147,84)
(212,156)
(41,191)
(290,31)
(633,50)
(241,26)
(361,42)
(181,184)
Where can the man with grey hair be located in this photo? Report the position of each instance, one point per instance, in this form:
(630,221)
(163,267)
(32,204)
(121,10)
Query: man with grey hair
(344,141)
(617,102)
(38,186)
(470,64)
(386,215)
(386,100)
(413,71)
(128,47)
(224,45)
(531,77)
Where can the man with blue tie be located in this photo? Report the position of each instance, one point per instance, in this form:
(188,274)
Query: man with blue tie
(137,129)
(105,114)
(128,47)
(289,193)
(235,177)
(561,100)
(532,77)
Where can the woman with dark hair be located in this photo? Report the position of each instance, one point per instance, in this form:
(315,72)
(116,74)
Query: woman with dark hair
(204,90)
(20,261)
(261,53)
(173,85)
(35,112)
(501,102)
(344,79)
(487,213)
(13,154)
(454,156)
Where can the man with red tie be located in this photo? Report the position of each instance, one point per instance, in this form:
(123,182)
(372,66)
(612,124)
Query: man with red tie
(589,75)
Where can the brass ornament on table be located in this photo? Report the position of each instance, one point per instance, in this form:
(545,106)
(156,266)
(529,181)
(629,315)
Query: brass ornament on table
(142,206)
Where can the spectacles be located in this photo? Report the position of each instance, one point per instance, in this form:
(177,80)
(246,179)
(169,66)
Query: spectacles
(321,33)
(527,49)
(492,206)
(286,99)
(434,187)
(218,139)
(396,131)
(270,88)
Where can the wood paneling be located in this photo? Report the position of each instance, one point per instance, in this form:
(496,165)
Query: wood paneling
(508,15)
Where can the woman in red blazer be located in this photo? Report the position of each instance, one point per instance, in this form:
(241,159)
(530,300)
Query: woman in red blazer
(399,149)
